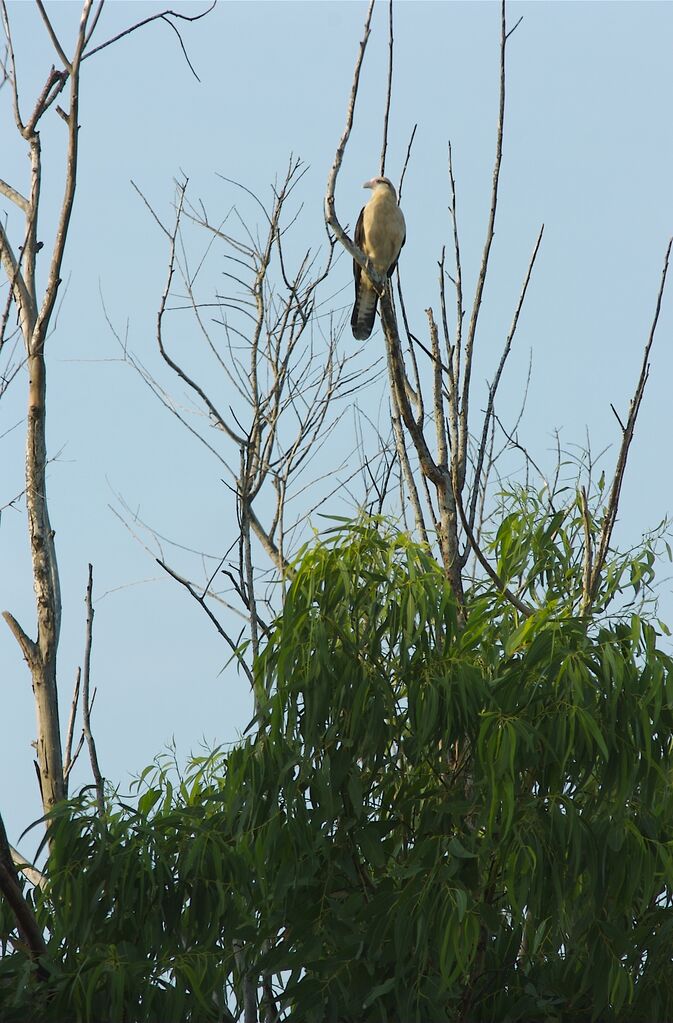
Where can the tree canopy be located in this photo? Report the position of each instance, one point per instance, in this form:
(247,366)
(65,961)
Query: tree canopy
(429,821)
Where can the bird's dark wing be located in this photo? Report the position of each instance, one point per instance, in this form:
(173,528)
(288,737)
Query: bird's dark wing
(359,239)
(391,271)
(364,308)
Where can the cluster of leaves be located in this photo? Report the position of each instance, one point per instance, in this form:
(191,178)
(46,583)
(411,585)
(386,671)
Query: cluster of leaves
(430,822)
(539,545)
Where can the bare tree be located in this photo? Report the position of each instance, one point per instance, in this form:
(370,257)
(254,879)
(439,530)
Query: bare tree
(35,309)
(268,402)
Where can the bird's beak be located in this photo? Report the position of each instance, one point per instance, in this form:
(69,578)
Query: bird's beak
(369,184)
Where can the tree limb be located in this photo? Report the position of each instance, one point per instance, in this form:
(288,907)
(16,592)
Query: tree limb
(29,649)
(481,280)
(161,16)
(15,196)
(87,701)
(26,923)
(493,389)
(331,218)
(52,35)
(610,516)
(389,92)
(200,599)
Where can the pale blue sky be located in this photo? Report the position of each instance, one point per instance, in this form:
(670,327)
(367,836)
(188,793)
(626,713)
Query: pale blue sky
(588,150)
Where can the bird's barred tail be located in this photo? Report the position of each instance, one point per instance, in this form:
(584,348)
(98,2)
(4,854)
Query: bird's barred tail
(364,313)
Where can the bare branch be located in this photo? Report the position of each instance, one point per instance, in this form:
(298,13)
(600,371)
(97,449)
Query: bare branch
(490,231)
(513,441)
(35,876)
(15,196)
(161,16)
(87,701)
(514,28)
(330,213)
(617,417)
(29,649)
(588,549)
(52,88)
(438,396)
(390,87)
(415,394)
(610,516)
(457,348)
(407,475)
(493,389)
(12,64)
(17,284)
(94,22)
(68,759)
(52,35)
(200,599)
(218,418)
(447,527)
(406,163)
(54,275)
(398,376)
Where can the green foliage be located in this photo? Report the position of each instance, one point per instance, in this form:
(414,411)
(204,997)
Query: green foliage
(430,823)
(539,546)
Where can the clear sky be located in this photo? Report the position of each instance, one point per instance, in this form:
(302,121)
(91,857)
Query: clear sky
(588,151)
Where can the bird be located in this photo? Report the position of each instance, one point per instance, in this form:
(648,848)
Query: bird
(380,232)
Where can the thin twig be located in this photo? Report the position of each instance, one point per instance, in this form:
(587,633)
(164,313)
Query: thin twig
(407,473)
(610,516)
(52,35)
(479,291)
(87,701)
(406,163)
(217,417)
(201,600)
(331,218)
(161,16)
(12,63)
(389,90)
(458,341)
(68,760)
(493,389)
(588,549)
(618,417)
(398,380)
(515,443)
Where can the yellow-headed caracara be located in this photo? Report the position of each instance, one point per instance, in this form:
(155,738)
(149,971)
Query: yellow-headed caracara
(380,232)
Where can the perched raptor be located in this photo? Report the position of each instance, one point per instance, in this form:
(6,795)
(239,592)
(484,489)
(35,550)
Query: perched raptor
(380,233)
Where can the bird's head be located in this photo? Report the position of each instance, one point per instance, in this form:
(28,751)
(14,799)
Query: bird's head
(375,183)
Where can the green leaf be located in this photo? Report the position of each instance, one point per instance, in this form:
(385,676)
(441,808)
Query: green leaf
(456,848)
(380,989)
